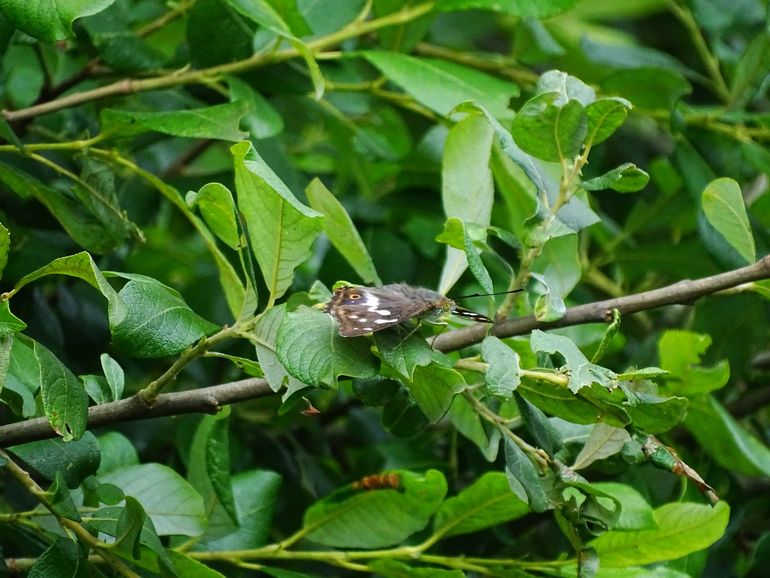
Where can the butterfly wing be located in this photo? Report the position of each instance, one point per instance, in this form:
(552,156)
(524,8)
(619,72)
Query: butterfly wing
(363,310)
(358,311)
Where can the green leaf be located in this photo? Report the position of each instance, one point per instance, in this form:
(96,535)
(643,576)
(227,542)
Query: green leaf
(342,232)
(751,69)
(114,375)
(538,426)
(217,207)
(683,528)
(487,502)
(263,13)
(75,460)
(61,560)
(530,165)
(466,178)
(61,500)
(128,530)
(523,479)
(467,192)
(376,518)
(441,85)
(654,414)
(390,568)
(264,335)
(582,373)
(725,210)
(281,229)
(208,469)
(402,355)
(116,452)
(725,440)
(9,323)
(280,573)
(649,88)
(605,116)
(636,513)
(433,387)
(548,306)
(566,86)
(256,495)
(191,568)
(242,301)
(262,119)
(159,322)
(219,122)
(6,345)
(247,366)
(310,348)
(680,352)
(635,572)
(559,264)
(631,57)
(65,402)
(97,388)
(627,178)
(82,266)
(6,132)
(23,76)
(603,442)
(172,504)
(550,132)
(402,417)
(5,247)
(475,264)
(113,521)
(468,422)
(96,191)
(503,374)
(453,233)
(521,8)
(82,227)
(50,20)
(561,402)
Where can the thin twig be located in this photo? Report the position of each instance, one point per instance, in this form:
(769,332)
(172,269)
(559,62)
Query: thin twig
(206,75)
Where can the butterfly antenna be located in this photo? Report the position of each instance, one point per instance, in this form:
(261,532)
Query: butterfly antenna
(488,294)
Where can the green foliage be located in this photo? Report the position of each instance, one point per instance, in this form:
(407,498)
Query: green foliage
(182,187)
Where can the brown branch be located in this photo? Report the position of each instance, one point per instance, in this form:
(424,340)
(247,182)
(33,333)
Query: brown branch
(206,75)
(683,292)
(210,399)
(204,400)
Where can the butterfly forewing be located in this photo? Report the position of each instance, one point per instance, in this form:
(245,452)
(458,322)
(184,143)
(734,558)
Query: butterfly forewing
(363,310)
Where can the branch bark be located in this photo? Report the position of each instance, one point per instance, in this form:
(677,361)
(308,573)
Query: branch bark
(682,292)
(202,76)
(211,399)
(204,400)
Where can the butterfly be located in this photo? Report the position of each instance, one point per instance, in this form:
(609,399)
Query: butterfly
(362,310)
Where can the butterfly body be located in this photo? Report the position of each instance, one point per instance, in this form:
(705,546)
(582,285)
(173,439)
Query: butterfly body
(363,310)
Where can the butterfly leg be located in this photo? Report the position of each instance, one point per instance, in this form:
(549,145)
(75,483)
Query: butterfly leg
(411,332)
(443,328)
